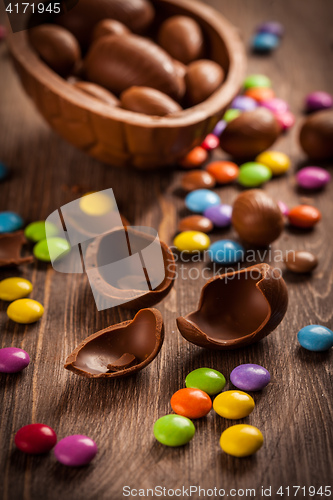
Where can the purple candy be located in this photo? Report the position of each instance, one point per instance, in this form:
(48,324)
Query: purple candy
(318,100)
(313,177)
(220,215)
(244,103)
(250,377)
(276,105)
(284,208)
(219,127)
(272,27)
(13,360)
(75,450)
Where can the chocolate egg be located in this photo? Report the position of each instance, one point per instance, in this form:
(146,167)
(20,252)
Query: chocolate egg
(148,101)
(117,63)
(202,79)
(237,309)
(257,218)
(250,133)
(109,27)
(98,92)
(121,349)
(56,46)
(182,38)
(316,135)
(301,261)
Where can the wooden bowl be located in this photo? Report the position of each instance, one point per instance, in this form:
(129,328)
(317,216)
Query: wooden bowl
(124,138)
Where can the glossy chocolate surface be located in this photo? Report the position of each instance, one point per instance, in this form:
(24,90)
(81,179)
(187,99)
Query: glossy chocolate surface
(195,223)
(197,179)
(182,38)
(109,27)
(202,79)
(148,101)
(301,261)
(100,93)
(10,249)
(316,135)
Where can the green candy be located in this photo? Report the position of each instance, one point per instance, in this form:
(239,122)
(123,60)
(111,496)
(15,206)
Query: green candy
(36,231)
(255,81)
(231,114)
(208,380)
(51,249)
(253,174)
(174,430)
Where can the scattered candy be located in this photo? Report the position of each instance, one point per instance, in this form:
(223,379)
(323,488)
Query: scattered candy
(191,241)
(256,81)
(277,162)
(195,223)
(226,252)
(276,105)
(76,450)
(244,103)
(231,114)
(273,27)
(219,127)
(241,440)
(211,142)
(220,215)
(14,288)
(318,100)
(96,204)
(25,311)
(250,377)
(260,94)
(10,222)
(301,262)
(35,438)
(13,360)
(313,177)
(265,42)
(208,380)
(252,174)
(51,249)
(284,208)
(36,231)
(174,430)
(233,404)
(194,158)
(3,169)
(224,172)
(305,216)
(197,179)
(191,403)
(315,338)
(285,119)
(200,199)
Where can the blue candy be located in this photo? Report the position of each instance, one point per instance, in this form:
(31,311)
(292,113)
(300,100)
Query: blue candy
(3,171)
(315,338)
(265,42)
(226,252)
(201,199)
(10,222)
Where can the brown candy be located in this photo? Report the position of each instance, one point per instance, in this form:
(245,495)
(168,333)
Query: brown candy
(257,218)
(237,309)
(197,179)
(109,27)
(56,46)
(10,249)
(182,38)
(98,92)
(250,133)
(195,223)
(202,79)
(148,101)
(316,135)
(121,349)
(301,261)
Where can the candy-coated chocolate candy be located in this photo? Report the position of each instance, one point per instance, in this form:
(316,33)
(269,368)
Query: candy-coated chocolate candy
(191,241)
(255,81)
(211,142)
(191,403)
(224,172)
(219,127)
(14,288)
(51,249)
(226,252)
(244,103)
(284,208)
(25,311)
(13,360)
(37,231)
(231,114)
(277,162)
(260,94)
(76,450)
(174,430)
(195,223)
(285,119)
(313,177)
(3,171)
(208,380)
(233,404)
(96,204)
(276,105)
(301,262)
(250,377)
(265,42)
(305,216)
(273,27)
(195,158)
(253,174)
(318,100)
(10,222)
(219,215)
(197,179)
(35,438)
(200,199)
(241,440)
(315,338)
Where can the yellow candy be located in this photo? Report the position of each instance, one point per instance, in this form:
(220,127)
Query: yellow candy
(191,241)
(25,311)
(241,440)
(14,288)
(233,404)
(276,161)
(96,204)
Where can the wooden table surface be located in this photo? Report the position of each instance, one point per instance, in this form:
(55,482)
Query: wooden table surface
(294,412)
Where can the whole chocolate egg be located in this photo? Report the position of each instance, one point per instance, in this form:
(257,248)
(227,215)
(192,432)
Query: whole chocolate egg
(98,92)
(182,38)
(148,101)
(109,27)
(202,79)
(257,218)
(118,62)
(316,135)
(250,133)
(56,46)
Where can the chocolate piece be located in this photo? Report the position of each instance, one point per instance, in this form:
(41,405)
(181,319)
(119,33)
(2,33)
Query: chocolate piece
(316,135)
(10,249)
(257,218)
(140,338)
(250,133)
(197,179)
(195,223)
(56,46)
(148,101)
(237,309)
(301,262)
(109,27)
(202,79)
(98,92)
(182,38)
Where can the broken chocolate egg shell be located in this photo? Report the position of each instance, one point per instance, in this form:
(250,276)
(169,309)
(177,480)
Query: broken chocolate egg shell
(316,135)
(119,350)
(237,309)
(10,249)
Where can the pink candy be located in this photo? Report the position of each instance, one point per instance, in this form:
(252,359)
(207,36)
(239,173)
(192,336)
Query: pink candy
(286,119)
(276,105)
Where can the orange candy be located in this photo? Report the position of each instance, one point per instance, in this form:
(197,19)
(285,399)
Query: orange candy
(194,158)
(223,171)
(260,94)
(304,216)
(191,403)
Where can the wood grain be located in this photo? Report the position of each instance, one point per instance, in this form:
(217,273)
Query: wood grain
(294,412)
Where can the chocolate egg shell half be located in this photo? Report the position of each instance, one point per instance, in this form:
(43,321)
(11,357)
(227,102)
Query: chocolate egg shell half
(121,349)
(182,38)
(237,309)
(148,101)
(316,135)
(250,133)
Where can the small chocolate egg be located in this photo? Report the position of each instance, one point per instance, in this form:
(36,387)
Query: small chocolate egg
(148,101)
(109,27)
(195,223)
(182,38)
(316,135)
(197,179)
(100,93)
(301,262)
(202,79)
(56,46)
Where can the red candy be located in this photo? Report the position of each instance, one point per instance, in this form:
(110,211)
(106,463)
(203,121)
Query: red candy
(305,216)
(211,142)
(194,158)
(191,403)
(35,438)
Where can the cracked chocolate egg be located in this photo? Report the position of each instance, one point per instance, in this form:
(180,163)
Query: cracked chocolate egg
(237,309)
(121,349)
